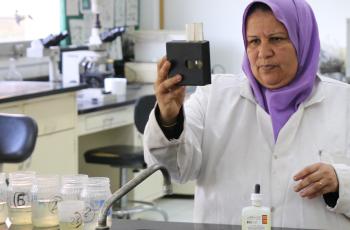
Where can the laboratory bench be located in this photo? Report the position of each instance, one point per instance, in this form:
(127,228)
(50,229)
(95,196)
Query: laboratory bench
(155,225)
(152,225)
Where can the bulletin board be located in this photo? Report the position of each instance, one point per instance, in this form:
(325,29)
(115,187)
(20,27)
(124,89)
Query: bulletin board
(78,19)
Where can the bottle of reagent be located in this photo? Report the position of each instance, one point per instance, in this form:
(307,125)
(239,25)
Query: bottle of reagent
(256,217)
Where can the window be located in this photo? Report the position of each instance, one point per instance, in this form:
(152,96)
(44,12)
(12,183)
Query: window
(24,20)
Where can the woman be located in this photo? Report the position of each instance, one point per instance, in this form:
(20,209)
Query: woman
(280,125)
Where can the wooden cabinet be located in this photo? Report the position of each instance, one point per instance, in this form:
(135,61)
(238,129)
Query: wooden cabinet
(56,147)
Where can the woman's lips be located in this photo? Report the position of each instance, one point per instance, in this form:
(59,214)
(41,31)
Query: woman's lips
(267,67)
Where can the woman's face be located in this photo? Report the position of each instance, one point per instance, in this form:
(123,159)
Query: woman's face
(271,54)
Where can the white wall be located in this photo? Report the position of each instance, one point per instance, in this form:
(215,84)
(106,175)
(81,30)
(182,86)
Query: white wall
(222,24)
(149,14)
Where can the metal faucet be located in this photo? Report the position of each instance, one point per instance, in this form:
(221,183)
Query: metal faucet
(102,218)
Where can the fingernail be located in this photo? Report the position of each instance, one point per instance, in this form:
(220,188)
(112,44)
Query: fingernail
(302,194)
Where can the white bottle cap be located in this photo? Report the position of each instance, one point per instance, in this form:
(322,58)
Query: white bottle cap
(194,32)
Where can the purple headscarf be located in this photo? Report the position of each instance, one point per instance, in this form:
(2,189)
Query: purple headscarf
(299,20)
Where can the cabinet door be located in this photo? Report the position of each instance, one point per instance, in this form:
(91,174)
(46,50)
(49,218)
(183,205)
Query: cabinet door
(15,109)
(53,113)
(55,153)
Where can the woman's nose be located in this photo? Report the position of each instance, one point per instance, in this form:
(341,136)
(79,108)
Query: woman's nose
(265,50)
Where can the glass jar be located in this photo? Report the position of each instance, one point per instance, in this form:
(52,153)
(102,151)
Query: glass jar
(96,191)
(45,196)
(72,185)
(19,197)
(3,198)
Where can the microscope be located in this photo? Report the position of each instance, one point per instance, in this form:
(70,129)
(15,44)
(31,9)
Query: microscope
(48,47)
(91,64)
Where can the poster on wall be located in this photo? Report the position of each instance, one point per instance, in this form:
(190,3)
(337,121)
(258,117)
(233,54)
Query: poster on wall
(132,7)
(107,13)
(120,9)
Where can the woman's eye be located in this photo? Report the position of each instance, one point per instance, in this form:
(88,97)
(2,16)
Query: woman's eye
(253,42)
(276,39)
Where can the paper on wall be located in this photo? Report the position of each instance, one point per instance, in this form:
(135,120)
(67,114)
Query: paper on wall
(72,7)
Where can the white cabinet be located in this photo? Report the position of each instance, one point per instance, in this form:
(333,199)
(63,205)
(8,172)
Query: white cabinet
(56,147)
(106,119)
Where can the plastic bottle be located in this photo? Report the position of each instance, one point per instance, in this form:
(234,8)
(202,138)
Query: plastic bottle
(255,216)
(13,74)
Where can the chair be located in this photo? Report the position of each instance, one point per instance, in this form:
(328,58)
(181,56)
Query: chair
(126,157)
(18,135)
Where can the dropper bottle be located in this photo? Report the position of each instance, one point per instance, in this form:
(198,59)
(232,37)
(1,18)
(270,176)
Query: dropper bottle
(256,216)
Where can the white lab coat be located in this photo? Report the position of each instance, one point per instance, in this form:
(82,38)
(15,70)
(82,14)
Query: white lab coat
(227,146)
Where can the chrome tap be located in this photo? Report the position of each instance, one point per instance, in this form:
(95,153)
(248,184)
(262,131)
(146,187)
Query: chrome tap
(102,218)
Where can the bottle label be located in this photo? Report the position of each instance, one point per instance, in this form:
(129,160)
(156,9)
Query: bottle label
(256,222)
(20,199)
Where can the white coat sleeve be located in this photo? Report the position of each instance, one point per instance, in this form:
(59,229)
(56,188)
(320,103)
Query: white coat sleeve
(183,156)
(343,204)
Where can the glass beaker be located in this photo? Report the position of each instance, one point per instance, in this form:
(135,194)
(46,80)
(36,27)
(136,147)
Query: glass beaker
(19,197)
(46,195)
(96,191)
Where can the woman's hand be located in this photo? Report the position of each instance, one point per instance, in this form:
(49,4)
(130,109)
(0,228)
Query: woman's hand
(170,96)
(316,180)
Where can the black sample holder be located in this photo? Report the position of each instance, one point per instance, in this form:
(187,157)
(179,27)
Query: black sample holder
(190,59)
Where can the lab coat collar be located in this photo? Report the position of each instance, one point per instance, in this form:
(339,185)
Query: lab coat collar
(246,91)
(317,94)
(315,97)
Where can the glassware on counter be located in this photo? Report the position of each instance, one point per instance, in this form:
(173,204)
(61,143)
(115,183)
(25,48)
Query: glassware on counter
(3,198)
(70,214)
(72,186)
(96,191)
(46,195)
(19,197)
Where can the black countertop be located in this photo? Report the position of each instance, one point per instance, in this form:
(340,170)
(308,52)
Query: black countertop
(155,225)
(92,100)
(11,91)
(150,225)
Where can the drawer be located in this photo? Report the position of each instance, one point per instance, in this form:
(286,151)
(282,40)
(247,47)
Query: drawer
(15,109)
(103,120)
(54,113)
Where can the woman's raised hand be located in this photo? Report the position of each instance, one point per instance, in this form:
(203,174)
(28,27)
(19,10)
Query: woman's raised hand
(170,96)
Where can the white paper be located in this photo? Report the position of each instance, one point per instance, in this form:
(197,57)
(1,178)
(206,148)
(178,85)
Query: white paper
(76,31)
(132,12)
(106,13)
(120,8)
(72,7)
